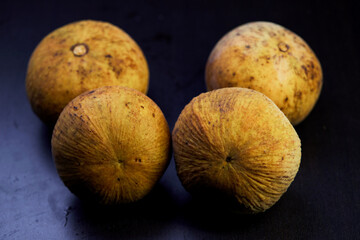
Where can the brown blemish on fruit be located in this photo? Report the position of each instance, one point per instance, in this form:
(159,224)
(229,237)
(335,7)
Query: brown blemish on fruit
(153,114)
(247,46)
(286,99)
(298,94)
(108,56)
(127,104)
(75,108)
(228,159)
(79,49)
(58,53)
(234,73)
(305,69)
(312,64)
(272,34)
(142,107)
(283,47)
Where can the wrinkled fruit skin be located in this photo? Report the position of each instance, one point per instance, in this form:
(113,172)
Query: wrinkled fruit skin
(79,57)
(270,59)
(237,142)
(111,145)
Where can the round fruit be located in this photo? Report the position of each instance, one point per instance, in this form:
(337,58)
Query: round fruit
(237,142)
(111,145)
(272,60)
(79,57)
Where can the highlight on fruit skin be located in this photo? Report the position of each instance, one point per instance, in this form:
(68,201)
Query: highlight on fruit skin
(111,145)
(271,59)
(78,57)
(236,142)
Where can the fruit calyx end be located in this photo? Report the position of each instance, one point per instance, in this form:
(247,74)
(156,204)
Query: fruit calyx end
(79,49)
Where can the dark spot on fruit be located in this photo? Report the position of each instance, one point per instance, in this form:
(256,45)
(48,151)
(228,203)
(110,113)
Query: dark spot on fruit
(228,159)
(238,34)
(282,158)
(108,56)
(272,34)
(247,46)
(312,64)
(251,78)
(187,143)
(298,94)
(118,179)
(305,69)
(75,108)
(58,53)
(209,122)
(142,107)
(127,104)
(153,114)
(91,92)
(234,73)
(286,99)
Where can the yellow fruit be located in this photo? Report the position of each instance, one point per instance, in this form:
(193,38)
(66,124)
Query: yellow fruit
(111,145)
(237,142)
(79,57)
(272,60)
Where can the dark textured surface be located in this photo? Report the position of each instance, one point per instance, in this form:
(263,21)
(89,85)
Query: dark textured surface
(322,203)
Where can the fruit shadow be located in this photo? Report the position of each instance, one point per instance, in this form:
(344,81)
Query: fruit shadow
(45,134)
(146,218)
(219,218)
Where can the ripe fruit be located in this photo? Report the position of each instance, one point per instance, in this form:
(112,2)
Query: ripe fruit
(272,60)
(78,57)
(237,142)
(111,145)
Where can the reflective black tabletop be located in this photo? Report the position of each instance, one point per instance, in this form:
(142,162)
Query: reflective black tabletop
(176,37)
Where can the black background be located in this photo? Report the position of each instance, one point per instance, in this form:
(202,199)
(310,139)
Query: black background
(176,37)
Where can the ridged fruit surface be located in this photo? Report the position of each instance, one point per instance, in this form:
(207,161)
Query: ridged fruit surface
(111,145)
(236,142)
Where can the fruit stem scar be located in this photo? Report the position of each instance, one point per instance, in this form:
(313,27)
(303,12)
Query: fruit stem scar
(79,49)
(283,47)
